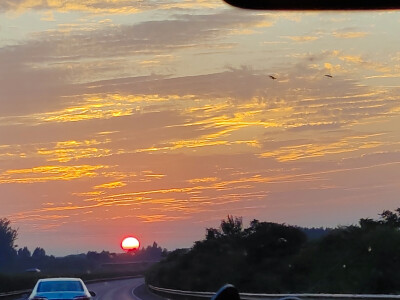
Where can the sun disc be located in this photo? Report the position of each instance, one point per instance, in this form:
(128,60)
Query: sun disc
(130,244)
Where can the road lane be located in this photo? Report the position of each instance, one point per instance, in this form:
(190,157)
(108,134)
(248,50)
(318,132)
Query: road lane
(126,289)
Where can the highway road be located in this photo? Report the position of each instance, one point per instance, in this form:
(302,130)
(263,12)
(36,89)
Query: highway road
(126,289)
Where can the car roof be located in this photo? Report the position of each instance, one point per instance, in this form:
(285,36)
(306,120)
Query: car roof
(60,279)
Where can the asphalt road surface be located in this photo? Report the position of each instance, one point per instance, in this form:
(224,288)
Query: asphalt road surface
(127,289)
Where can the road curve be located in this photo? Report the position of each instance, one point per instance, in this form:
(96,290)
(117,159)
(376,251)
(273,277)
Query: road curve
(126,289)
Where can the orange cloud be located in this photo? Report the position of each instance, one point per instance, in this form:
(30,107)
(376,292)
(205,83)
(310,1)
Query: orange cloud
(160,218)
(110,185)
(205,179)
(49,173)
(104,106)
(349,35)
(315,150)
(73,150)
(302,38)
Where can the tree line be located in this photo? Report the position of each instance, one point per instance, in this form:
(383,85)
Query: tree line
(268,257)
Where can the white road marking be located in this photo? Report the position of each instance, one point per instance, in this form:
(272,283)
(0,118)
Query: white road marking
(133,293)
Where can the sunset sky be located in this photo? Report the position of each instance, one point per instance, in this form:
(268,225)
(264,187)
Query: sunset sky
(158,118)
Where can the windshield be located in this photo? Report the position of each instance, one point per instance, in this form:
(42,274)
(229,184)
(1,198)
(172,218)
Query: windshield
(158,119)
(59,286)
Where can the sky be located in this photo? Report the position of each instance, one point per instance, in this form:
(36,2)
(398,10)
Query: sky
(159,118)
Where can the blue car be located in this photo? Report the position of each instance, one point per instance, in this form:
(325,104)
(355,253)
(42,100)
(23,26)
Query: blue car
(61,288)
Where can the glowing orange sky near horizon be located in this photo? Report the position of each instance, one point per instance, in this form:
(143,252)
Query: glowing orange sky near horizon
(161,118)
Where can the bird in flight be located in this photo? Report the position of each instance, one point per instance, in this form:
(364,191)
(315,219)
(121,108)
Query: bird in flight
(272,77)
(327,75)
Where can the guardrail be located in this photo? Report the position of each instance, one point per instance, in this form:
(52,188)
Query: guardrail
(12,295)
(178,294)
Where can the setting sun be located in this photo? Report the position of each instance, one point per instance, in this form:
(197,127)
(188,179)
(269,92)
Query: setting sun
(129,244)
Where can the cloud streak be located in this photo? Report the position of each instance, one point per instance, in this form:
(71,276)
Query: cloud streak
(48,173)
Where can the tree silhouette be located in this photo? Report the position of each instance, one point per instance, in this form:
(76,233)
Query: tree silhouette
(24,253)
(39,253)
(391,218)
(232,226)
(212,233)
(8,235)
(265,240)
